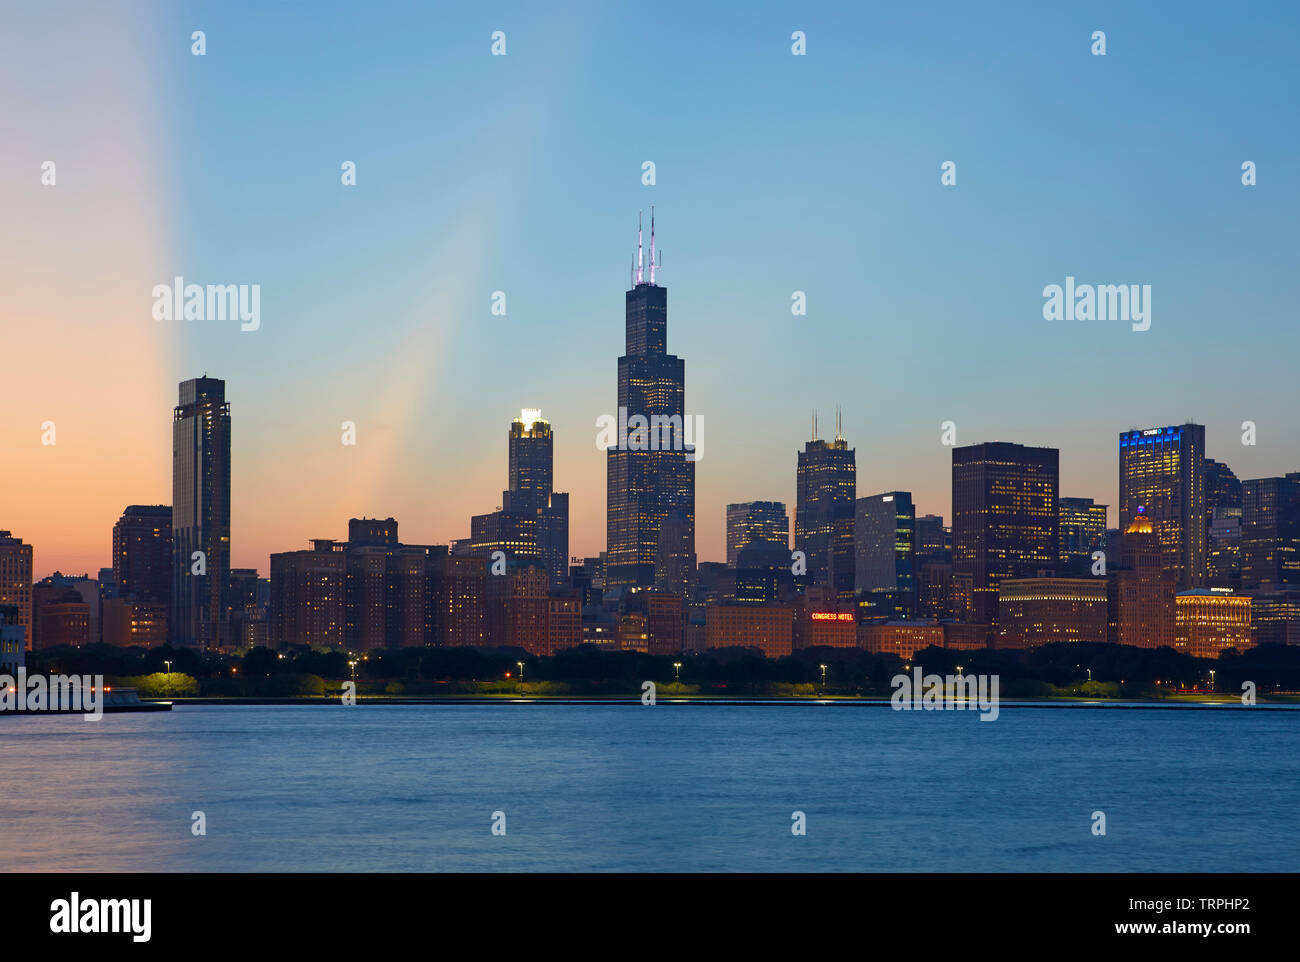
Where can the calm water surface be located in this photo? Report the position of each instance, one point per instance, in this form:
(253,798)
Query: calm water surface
(630,788)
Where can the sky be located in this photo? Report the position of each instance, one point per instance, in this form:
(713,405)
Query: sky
(522,173)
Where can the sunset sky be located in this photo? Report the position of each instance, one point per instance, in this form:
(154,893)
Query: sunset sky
(522,173)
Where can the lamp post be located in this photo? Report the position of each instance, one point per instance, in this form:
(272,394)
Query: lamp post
(1211,679)
(677,666)
(1089,671)
(823,668)
(521,671)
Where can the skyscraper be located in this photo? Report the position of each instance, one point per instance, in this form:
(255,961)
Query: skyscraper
(16,582)
(826,484)
(1143,590)
(1162,471)
(142,553)
(1083,527)
(1270,534)
(650,469)
(200,613)
(752,521)
(533,521)
(884,535)
(1005,520)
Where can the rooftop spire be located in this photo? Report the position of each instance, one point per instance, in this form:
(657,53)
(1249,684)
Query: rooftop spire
(838,435)
(639,260)
(652,245)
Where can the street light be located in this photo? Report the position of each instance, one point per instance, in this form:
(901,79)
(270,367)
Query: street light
(678,666)
(959,671)
(169,666)
(352,664)
(1211,679)
(521,671)
(823,668)
(1089,671)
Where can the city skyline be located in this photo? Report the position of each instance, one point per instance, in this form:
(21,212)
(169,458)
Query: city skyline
(396,334)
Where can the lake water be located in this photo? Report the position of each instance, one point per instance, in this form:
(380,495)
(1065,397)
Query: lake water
(669,787)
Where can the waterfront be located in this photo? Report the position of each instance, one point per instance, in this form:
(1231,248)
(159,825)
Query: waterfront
(630,788)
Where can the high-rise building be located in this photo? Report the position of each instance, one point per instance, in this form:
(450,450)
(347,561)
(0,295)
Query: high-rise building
(1083,527)
(200,614)
(1162,471)
(650,468)
(826,484)
(1143,590)
(1005,521)
(60,614)
(1223,516)
(142,554)
(532,523)
(751,521)
(933,540)
(309,596)
(884,535)
(16,581)
(1270,534)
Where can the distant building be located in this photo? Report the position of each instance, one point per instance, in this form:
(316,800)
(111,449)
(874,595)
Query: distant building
(933,540)
(129,623)
(564,621)
(60,615)
(200,596)
(826,484)
(1046,610)
(142,553)
(16,580)
(13,640)
(1083,528)
(518,608)
(309,596)
(1143,589)
(902,639)
(815,626)
(884,535)
(1274,614)
(762,574)
(650,469)
(1162,470)
(1270,535)
(752,521)
(1005,520)
(1210,621)
(769,628)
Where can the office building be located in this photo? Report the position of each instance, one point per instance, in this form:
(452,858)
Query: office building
(752,521)
(1162,471)
(826,491)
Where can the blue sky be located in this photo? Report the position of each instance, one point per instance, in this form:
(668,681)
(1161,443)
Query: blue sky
(775,173)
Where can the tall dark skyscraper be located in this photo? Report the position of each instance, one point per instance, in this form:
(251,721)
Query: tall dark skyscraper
(1005,519)
(826,485)
(142,553)
(1162,471)
(753,521)
(1270,534)
(200,614)
(884,536)
(650,469)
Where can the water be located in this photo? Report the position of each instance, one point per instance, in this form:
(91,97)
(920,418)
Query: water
(632,788)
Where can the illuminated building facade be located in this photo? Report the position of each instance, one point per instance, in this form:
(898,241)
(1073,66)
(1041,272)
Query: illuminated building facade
(1162,471)
(200,611)
(826,484)
(650,468)
(1083,528)
(16,581)
(901,638)
(1005,520)
(1211,620)
(752,521)
(1046,610)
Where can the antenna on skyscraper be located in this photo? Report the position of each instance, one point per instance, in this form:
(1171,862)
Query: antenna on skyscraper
(814,433)
(652,245)
(639,268)
(838,435)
